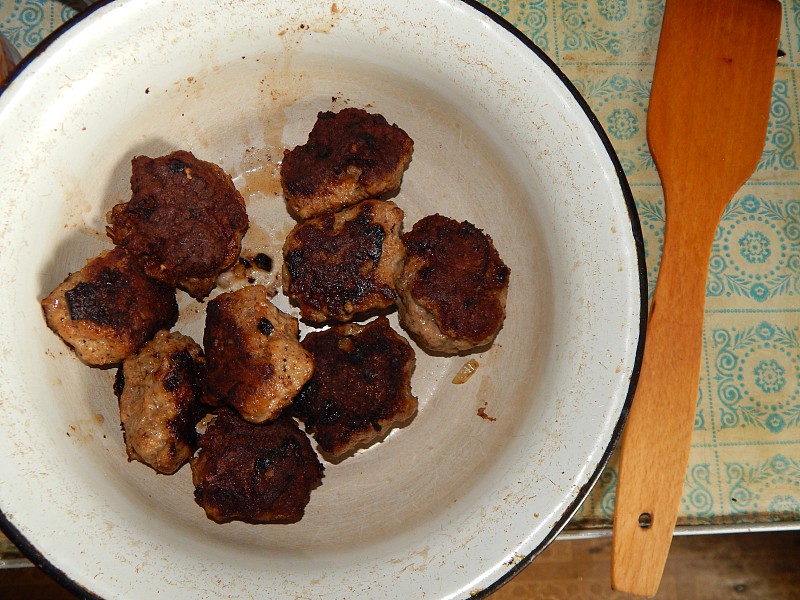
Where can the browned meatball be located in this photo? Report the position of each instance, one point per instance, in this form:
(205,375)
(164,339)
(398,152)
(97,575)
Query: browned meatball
(254,473)
(159,391)
(109,308)
(452,290)
(349,156)
(184,222)
(342,264)
(361,385)
(254,360)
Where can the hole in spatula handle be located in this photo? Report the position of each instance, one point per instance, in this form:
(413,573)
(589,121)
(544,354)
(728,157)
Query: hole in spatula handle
(645,520)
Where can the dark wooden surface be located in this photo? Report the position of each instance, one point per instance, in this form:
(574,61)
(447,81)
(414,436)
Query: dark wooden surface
(720,567)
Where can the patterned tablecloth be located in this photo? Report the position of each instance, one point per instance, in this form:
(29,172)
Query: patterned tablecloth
(744,469)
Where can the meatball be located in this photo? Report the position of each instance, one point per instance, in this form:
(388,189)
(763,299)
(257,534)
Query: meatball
(184,222)
(254,473)
(349,156)
(109,309)
(453,286)
(159,391)
(342,264)
(361,385)
(254,360)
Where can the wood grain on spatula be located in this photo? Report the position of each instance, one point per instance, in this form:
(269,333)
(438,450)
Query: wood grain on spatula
(706,125)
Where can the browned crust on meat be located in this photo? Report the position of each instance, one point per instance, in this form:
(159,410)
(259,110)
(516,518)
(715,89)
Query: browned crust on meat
(184,222)
(361,385)
(254,360)
(159,392)
(337,266)
(455,275)
(349,156)
(254,473)
(109,309)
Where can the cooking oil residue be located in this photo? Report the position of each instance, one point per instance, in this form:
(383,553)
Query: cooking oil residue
(261,172)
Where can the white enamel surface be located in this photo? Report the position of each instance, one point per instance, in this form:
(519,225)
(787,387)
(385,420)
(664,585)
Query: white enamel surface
(442,508)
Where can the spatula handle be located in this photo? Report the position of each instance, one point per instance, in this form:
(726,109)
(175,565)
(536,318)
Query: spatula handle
(656,449)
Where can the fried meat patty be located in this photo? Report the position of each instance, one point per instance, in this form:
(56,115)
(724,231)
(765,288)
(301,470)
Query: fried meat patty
(361,385)
(184,222)
(338,265)
(254,360)
(349,156)
(109,308)
(453,286)
(254,473)
(159,392)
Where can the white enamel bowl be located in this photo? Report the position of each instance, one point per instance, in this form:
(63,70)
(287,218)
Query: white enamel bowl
(490,470)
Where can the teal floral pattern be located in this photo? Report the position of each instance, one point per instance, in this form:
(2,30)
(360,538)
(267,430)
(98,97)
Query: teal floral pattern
(780,151)
(784,508)
(609,30)
(581,33)
(623,124)
(498,6)
(700,413)
(750,485)
(613,10)
(794,16)
(533,20)
(770,376)
(756,252)
(25,23)
(756,391)
(698,499)
(754,247)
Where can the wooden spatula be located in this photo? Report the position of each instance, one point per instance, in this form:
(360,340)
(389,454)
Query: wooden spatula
(706,125)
